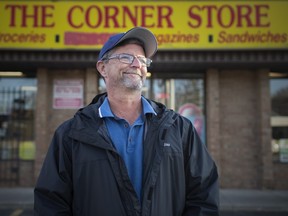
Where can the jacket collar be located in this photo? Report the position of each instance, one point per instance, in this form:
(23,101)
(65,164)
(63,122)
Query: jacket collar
(88,127)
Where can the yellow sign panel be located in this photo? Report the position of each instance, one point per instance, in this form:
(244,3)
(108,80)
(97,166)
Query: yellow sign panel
(176,24)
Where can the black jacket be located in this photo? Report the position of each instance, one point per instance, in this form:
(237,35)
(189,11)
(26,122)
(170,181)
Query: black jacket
(83,175)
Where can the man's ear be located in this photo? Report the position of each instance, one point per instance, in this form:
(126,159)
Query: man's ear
(101,68)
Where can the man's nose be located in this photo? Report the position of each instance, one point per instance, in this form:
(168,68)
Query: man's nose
(136,63)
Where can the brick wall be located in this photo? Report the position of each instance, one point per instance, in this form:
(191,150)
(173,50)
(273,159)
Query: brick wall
(48,119)
(238,116)
(238,129)
(280,176)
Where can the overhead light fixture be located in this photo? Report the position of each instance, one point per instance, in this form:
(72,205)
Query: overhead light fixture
(11,73)
(277,75)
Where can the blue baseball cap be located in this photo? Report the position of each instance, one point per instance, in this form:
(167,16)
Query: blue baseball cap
(140,33)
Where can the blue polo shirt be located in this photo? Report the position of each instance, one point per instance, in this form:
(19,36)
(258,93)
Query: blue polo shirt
(128,139)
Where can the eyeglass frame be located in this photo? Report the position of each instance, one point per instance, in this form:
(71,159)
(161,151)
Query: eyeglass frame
(131,59)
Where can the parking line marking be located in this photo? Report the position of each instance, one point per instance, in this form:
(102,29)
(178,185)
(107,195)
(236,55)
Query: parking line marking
(17,212)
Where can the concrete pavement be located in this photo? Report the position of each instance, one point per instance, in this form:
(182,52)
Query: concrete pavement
(230,199)
(16,197)
(254,200)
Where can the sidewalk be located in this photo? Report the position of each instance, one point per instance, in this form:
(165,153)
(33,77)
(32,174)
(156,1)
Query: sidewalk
(230,199)
(16,197)
(256,200)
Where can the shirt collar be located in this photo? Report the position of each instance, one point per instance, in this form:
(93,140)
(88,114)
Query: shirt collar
(105,110)
(147,108)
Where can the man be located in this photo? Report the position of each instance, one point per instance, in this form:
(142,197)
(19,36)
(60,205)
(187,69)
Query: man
(126,155)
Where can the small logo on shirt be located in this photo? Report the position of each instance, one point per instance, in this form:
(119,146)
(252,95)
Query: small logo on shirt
(167,144)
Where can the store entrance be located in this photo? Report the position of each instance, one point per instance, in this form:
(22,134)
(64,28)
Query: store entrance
(17,147)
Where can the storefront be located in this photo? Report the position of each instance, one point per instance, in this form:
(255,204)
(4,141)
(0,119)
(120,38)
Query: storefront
(223,65)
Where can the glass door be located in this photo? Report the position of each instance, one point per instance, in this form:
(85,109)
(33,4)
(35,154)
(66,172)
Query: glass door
(184,94)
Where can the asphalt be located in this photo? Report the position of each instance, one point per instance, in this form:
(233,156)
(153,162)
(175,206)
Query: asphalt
(230,199)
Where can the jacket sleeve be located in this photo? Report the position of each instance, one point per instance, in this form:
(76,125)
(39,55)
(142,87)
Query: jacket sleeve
(53,190)
(202,190)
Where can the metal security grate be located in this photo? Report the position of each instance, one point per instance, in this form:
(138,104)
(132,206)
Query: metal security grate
(16,128)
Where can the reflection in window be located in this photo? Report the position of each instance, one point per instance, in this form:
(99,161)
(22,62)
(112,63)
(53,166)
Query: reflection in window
(185,96)
(279,118)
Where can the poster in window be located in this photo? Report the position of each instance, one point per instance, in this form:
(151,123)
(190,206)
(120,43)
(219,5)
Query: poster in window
(67,94)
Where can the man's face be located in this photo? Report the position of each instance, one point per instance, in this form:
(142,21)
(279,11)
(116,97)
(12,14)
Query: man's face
(120,75)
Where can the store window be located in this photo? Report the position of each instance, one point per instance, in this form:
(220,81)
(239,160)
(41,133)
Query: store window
(17,110)
(279,118)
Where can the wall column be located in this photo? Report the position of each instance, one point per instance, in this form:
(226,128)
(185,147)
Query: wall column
(265,132)
(91,85)
(213,115)
(42,106)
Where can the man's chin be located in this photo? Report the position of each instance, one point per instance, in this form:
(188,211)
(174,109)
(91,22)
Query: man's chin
(134,86)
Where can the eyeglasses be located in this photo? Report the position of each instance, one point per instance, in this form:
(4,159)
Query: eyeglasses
(128,59)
